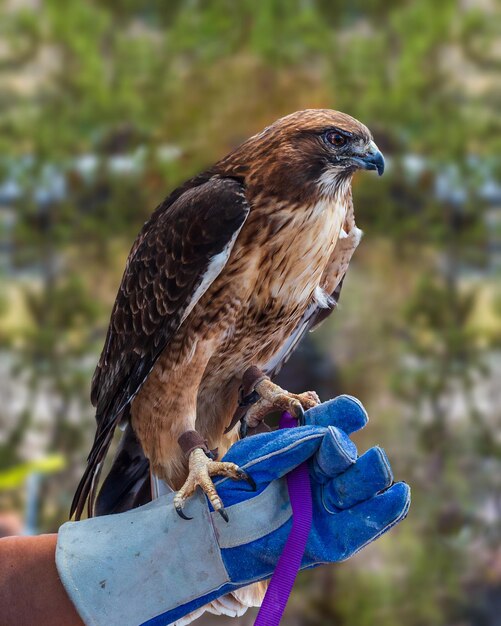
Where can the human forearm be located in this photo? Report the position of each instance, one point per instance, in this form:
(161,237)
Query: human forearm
(30,589)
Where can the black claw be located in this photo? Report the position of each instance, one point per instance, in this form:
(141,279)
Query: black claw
(248,479)
(181,513)
(300,415)
(243,429)
(249,399)
(223,514)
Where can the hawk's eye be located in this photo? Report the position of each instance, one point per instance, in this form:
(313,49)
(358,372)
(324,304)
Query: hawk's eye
(336,139)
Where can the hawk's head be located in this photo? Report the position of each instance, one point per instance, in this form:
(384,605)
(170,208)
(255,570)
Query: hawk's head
(315,151)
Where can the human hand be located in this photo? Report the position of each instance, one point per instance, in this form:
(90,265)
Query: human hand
(149,566)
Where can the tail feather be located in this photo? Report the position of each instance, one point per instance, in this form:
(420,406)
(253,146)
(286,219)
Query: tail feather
(86,487)
(232,604)
(127,484)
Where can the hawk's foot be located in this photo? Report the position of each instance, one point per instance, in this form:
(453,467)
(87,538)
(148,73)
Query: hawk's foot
(201,468)
(271,398)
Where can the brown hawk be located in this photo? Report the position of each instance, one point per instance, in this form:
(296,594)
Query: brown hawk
(229,272)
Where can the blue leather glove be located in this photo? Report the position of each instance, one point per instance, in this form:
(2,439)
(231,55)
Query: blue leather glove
(148,566)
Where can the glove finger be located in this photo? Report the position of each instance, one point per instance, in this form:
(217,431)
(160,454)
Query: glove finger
(272,455)
(336,454)
(345,412)
(354,528)
(368,476)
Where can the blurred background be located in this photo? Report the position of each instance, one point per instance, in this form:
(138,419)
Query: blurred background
(106,106)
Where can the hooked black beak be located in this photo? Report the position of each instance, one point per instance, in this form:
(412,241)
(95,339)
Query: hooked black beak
(373,160)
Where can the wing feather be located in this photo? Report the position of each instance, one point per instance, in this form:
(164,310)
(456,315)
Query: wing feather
(177,255)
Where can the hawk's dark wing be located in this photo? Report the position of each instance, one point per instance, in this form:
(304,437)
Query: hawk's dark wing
(177,255)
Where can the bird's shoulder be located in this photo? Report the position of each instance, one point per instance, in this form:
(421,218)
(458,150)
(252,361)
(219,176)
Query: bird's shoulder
(168,268)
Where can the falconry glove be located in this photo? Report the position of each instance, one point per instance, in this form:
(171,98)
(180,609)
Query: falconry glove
(138,568)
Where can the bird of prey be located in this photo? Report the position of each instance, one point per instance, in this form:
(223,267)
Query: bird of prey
(221,284)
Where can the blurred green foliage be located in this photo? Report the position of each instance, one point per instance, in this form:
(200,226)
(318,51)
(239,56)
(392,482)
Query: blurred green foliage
(106,106)
(16,476)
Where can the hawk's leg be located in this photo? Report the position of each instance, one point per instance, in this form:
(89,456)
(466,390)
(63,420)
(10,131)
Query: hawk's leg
(201,469)
(271,397)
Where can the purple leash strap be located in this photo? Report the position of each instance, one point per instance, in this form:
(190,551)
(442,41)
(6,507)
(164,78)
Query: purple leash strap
(282,581)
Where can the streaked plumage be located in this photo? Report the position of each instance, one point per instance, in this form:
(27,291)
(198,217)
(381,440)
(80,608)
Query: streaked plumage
(230,271)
